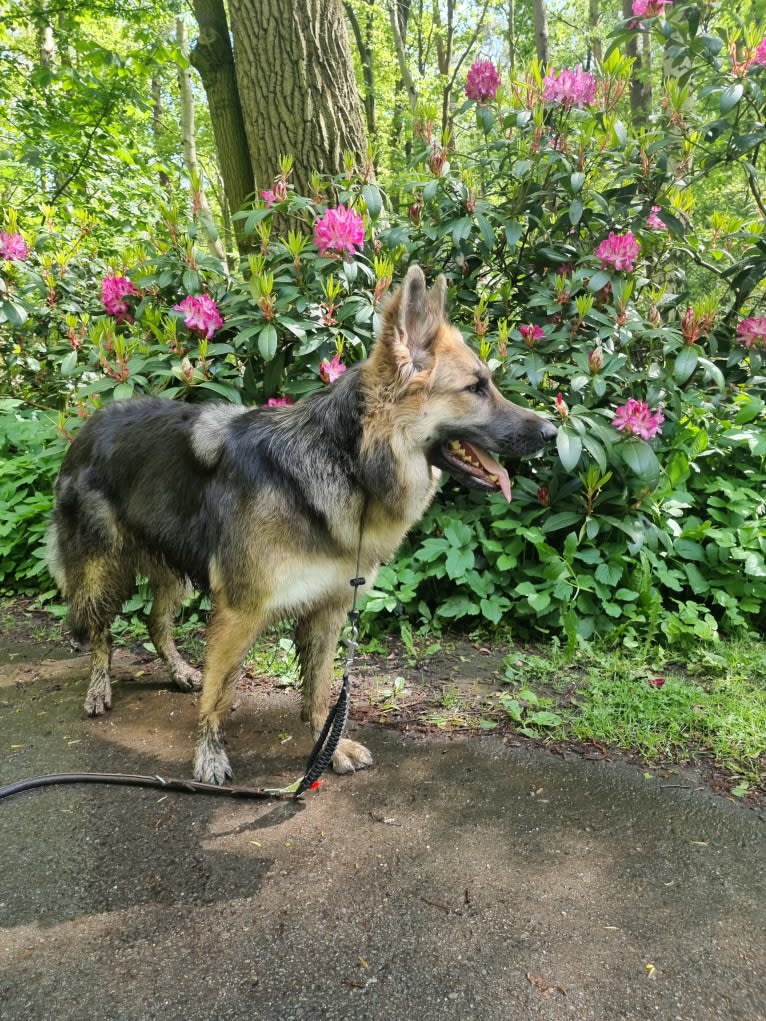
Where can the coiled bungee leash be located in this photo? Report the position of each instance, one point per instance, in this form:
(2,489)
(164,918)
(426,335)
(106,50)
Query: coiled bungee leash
(318,760)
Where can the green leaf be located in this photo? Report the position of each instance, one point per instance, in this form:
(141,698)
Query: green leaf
(15,314)
(569,446)
(544,718)
(373,200)
(539,601)
(575,212)
(190,281)
(69,365)
(731,96)
(458,561)
(640,458)
(576,181)
(461,229)
(267,342)
(487,233)
(686,363)
(561,520)
(513,232)
(598,281)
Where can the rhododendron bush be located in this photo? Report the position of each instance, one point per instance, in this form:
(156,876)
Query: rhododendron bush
(587,266)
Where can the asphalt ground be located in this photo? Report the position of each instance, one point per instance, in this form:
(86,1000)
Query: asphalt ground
(456,879)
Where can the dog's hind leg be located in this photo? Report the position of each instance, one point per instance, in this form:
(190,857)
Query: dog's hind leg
(231,634)
(316,640)
(94,602)
(168,591)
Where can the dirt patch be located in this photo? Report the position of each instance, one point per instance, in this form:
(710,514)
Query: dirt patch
(455,687)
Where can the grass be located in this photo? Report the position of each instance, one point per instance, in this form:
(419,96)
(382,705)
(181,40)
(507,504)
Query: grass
(713,704)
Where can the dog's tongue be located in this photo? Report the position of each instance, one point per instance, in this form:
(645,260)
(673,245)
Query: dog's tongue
(491,467)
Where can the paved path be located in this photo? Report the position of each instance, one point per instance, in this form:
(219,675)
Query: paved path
(455,880)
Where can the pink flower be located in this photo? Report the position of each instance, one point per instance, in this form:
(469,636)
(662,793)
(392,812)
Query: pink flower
(530,334)
(114,290)
(595,360)
(561,406)
(649,8)
(618,251)
(13,246)
(760,53)
(332,370)
(269,197)
(482,81)
(655,682)
(201,314)
(569,88)
(653,222)
(752,332)
(279,402)
(635,417)
(340,231)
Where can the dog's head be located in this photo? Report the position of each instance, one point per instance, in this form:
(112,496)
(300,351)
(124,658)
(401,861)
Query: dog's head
(444,400)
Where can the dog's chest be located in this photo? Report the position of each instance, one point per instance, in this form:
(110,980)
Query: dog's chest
(309,581)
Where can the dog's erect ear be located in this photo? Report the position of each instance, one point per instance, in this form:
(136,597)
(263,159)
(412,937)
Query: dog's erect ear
(437,297)
(411,321)
(420,311)
(413,308)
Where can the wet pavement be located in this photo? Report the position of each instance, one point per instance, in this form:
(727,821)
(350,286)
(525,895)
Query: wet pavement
(457,879)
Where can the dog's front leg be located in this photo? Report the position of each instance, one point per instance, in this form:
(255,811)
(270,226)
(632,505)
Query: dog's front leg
(316,640)
(231,634)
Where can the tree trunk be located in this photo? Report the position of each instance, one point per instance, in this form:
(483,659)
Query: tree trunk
(297,87)
(199,204)
(594,17)
(541,31)
(398,30)
(158,128)
(364,46)
(511,12)
(640,87)
(212,56)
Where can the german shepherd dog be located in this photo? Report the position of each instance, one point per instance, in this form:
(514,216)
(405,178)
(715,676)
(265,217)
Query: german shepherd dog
(267,509)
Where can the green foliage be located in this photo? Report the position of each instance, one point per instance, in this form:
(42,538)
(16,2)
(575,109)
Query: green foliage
(29,458)
(649,535)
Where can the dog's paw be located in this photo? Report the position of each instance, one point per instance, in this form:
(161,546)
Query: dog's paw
(98,700)
(186,677)
(211,765)
(350,756)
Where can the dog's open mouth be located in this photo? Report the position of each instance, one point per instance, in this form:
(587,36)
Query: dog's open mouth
(475,466)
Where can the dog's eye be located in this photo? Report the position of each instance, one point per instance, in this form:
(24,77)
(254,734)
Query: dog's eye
(477,388)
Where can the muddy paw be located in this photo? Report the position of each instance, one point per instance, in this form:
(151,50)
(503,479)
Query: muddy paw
(186,678)
(211,765)
(98,702)
(350,756)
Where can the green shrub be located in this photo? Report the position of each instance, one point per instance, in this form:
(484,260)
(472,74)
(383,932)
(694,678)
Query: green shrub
(579,267)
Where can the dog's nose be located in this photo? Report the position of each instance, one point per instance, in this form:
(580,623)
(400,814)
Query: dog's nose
(548,431)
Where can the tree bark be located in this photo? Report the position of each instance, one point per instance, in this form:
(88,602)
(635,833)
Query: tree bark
(511,12)
(364,47)
(398,30)
(594,17)
(297,87)
(541,31)
(212,56)
(199,203)
(640,94)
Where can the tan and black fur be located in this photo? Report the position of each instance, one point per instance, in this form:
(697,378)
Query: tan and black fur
(262,508)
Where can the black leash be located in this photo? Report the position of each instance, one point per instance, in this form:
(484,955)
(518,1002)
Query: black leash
(318,761)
